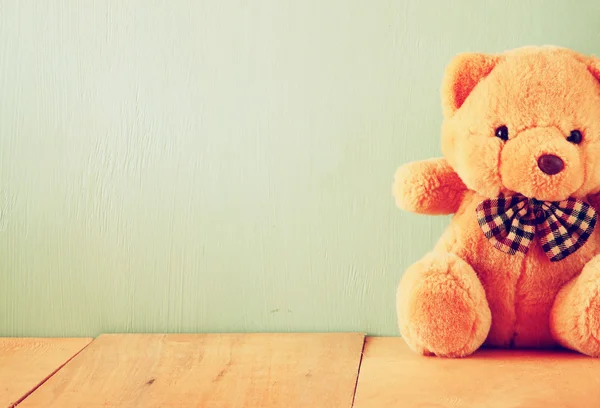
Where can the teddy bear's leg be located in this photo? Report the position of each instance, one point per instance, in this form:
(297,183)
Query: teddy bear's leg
(575,315)
(442,307)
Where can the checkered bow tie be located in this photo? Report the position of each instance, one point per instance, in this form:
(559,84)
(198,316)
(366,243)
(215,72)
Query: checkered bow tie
(512,222)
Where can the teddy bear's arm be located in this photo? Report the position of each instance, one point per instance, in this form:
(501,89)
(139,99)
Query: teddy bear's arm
(428,187)
(594,200)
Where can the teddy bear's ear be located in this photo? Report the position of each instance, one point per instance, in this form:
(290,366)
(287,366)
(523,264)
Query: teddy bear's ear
(462,75)
(594,67)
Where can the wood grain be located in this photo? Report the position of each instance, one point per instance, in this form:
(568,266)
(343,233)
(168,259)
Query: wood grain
(27,362)
(215,370)
(393,376)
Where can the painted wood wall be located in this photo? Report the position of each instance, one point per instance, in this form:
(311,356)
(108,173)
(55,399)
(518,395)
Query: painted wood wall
(222,165)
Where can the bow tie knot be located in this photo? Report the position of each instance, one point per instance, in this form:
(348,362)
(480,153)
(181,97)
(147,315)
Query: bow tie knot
(512,222)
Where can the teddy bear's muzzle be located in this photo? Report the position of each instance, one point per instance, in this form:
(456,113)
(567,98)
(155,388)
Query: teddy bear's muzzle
(540,163)
(551,164)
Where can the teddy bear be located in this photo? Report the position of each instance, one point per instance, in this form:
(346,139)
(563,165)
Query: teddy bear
(519,263)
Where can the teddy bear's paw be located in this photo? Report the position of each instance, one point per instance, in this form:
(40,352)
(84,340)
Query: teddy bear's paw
(593,316)
(575,316)
(583,332)
(587,332)
(442,308)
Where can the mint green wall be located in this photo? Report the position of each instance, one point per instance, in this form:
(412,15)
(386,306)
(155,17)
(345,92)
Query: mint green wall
(222,165)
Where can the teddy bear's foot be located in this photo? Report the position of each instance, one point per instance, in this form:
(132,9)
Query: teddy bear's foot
(575,315)
(442,307)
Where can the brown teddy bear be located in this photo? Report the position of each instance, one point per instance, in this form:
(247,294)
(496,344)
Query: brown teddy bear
(519,264)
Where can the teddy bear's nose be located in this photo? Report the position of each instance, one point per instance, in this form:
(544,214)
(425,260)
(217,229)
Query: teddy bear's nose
(550,164)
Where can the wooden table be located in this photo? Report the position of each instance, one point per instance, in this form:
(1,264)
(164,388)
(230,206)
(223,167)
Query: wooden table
(285,371)
(392,376)
(26,363)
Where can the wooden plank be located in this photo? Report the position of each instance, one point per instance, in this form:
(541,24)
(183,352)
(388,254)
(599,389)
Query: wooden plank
(210,370)
(25,363)
(393,376)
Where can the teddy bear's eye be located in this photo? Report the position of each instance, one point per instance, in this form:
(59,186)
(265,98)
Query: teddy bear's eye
(575,137)
(502,132)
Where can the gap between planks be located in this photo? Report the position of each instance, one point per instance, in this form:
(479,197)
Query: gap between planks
(362,353)
(47,377)
(27,362)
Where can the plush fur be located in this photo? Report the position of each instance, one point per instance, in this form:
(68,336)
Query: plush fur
(465,293)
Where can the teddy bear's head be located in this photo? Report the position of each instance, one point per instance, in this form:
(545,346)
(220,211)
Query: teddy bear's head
(526,121)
